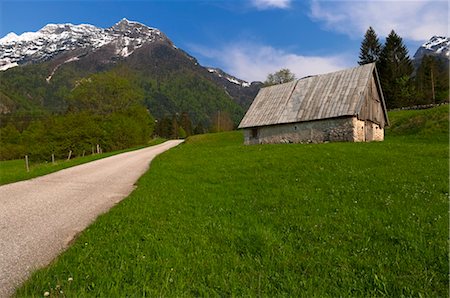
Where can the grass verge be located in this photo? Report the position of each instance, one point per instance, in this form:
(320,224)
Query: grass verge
(15,170)
(216,218)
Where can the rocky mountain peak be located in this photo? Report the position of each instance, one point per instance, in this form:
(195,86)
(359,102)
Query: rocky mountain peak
(125,25)
(55,39)
(437,46)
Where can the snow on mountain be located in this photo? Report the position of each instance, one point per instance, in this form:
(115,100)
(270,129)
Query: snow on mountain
(222,74)
(53,39)
(436,46)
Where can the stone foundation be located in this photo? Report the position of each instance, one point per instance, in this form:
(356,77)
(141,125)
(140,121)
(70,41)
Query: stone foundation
(348,129)
(367,131)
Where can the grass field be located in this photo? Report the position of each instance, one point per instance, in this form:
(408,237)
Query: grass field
(15,170)
(216,218)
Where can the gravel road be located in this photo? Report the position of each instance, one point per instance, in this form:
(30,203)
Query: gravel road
(39,217)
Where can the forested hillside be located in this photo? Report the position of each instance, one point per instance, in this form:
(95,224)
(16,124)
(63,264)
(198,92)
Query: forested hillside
(54,107)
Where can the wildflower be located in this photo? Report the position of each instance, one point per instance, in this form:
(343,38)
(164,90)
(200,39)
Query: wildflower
(70,279)
(46,294)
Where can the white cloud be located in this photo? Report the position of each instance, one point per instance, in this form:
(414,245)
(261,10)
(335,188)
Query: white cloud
(267,4)
(253,62)
(413,20)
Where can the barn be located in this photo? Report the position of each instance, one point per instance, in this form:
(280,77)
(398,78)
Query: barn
(343,106)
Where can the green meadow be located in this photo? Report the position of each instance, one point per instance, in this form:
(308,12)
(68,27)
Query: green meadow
(213,217)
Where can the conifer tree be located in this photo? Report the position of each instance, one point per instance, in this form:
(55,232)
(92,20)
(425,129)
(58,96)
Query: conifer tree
(370,48)
(395,70)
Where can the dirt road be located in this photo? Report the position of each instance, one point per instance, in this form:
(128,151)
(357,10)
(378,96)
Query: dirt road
(39,217)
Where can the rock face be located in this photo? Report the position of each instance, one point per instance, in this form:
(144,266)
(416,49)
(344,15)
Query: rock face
(76,41)
(243,92)
(437,46)
(55,39)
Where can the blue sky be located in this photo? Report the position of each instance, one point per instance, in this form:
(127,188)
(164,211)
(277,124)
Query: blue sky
(250,38)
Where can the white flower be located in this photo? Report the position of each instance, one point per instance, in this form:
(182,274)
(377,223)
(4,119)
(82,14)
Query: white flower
(46,294)
(70,279)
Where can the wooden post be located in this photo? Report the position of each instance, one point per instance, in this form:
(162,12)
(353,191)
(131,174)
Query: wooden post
(53,158)
(26,163)
(98,148)
(70,154)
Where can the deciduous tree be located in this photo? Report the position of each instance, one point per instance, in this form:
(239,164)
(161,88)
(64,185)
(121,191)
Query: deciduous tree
(282,76)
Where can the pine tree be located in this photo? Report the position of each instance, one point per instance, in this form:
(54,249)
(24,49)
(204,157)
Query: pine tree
(395,69)
(370,48)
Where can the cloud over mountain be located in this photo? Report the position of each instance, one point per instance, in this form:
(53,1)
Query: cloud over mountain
(252,61)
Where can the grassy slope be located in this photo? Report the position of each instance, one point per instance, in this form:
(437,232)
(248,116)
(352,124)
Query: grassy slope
(15,170)
(214,217)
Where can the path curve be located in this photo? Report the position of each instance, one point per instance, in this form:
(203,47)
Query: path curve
(39,217)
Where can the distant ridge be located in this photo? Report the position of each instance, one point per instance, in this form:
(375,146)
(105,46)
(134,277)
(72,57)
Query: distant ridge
(50,62)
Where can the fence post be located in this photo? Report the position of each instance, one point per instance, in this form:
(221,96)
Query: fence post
(26,163)
(70,154)
(98,148)
(53,158)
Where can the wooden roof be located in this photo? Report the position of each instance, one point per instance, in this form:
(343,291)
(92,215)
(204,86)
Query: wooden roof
(324,96)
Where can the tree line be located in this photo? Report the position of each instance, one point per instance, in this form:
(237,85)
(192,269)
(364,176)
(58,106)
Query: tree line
(180,125)
(402,84)
(104,110)
(112,110)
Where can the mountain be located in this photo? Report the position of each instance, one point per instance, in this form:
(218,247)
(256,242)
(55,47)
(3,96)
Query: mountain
(55,39)
(437,46)
(39,70)
(243,92)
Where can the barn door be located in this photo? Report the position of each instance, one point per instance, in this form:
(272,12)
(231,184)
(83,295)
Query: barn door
(368,127)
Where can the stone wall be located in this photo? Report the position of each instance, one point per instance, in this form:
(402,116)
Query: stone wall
(367,131)
(359,134)
(378,132)
(348,129)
